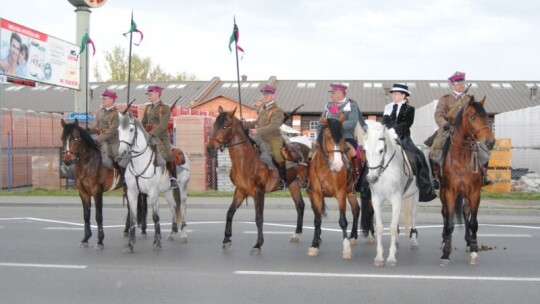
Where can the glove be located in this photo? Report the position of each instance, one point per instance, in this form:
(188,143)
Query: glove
(446,126)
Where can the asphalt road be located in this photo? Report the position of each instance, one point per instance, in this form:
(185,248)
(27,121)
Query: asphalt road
(40,258)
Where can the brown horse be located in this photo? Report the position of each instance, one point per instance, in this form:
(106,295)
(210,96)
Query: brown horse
(331,174)
(251,176)
(461,178)
(91,177)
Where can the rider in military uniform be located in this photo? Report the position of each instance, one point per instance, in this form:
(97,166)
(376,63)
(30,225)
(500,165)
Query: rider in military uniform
(156,121)
(448,107)
(106,131)
(266,132)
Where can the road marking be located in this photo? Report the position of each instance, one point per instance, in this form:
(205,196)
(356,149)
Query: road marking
(386,276)
(44,265)
(505,235)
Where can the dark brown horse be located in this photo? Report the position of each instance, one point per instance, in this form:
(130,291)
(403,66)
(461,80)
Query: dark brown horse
(331,175)
(461,178)
(91,177)
(251,176)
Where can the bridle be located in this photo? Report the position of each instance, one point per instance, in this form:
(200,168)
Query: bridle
(135,154)
(326,152)
(381,165)
(225,143)
(75,154)
(472,142)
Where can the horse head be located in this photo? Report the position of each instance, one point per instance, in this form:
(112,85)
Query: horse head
(472,122)
(70,141)
(332,142)
(127,134)
(225,128)
(380,149)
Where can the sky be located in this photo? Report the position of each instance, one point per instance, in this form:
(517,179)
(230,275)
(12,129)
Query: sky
(310,39)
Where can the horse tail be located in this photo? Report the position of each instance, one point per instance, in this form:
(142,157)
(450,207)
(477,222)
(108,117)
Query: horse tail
(142,208)
(458,208)
(366,218)
(324,209)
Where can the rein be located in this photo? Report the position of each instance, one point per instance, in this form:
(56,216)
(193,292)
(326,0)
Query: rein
(135,154)
(382,166)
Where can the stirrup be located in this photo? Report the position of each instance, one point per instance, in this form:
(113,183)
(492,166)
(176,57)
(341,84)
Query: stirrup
(174,183)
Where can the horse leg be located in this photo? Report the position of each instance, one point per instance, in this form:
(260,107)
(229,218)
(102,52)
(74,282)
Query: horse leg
(238,198)
(173,201)
(376,201)
(394,230)
(473,223)
(448,200)
(413,234)
(259,219)
(155,217)
(317,204)
(182,218)
(142,212)
(86,204)
(98,198)
(126,229)
(342,201)
(355,210)
(296,195)
(132,223)
(366,221)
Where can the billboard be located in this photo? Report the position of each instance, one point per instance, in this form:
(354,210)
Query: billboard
(28,54)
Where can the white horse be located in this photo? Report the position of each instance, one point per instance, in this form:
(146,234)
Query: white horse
(390,178)
(144,176)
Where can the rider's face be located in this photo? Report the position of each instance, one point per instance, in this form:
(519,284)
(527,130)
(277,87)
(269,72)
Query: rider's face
(459,87)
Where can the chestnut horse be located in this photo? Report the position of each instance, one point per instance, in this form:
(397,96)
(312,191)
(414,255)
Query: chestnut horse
(461,177)
(331,174)
(91,177)
(251,176)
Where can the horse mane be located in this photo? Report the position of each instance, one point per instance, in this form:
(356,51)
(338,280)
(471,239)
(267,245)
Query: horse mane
(336,131)
(222,118)
(86,137)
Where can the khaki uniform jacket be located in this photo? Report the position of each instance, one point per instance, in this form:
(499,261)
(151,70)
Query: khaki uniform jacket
(268,128)
(446,104)
(158,115)
(106,128)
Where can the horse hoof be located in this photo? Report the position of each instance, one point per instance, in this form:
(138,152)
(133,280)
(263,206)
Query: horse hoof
(414,245)
(170,237)
(352,241)
(473,259)
(83,245)
(143,235)
(295,238)
(391,263)
(99,246)
(370,239)
(128,249)
(445,262)
(378,263)
(157,246)
(125,234)
(312,251)
(255,251)
(183,239)
(226,245)
(347,255)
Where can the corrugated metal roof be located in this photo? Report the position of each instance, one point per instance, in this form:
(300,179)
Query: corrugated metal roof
(502,96)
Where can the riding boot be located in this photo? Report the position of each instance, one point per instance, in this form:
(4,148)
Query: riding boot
(121,172)
(264,149)
(171,167)
(283,174)
(485,179)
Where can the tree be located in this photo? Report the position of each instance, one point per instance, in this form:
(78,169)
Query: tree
(142,69)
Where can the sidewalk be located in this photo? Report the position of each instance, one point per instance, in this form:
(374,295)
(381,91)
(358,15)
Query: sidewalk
(270,202)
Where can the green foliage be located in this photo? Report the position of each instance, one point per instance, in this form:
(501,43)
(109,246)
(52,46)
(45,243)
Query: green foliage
(142,69)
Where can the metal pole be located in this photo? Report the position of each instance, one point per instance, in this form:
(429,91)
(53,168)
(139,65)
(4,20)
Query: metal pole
(238,78)
(83,27)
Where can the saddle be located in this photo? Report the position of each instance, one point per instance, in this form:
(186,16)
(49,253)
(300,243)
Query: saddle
(291,152)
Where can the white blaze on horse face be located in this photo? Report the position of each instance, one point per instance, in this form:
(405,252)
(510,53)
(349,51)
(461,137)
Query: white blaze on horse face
(337,164)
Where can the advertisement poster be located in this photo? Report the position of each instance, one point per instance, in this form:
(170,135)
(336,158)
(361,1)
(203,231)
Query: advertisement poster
(28,54)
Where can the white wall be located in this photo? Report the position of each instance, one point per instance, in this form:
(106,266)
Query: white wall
(424,123)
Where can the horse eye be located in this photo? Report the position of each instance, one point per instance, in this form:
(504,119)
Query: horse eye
(473,117)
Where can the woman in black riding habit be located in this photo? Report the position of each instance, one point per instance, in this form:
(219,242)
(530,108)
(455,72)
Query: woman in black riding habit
(399,115)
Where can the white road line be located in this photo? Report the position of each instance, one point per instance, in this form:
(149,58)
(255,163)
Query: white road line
(43,265)
(505,235)
(384,276)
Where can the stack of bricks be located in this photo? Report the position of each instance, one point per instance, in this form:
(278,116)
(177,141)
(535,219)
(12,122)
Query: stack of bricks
(500,163)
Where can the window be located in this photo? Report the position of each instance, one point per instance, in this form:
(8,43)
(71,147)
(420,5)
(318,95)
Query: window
(301,85)
(112,87)
(313,124)
(411,85)
(172,86)
(433,85)
(94,86)
(529,85)
(245,85)
(444,85)
(377,85)
(368,85)
(255,85)
(496,85)
(181,86)
(142,87)
(311,85)
(506,85)
(226,85)
(43,88)
(474,85)
(121,86)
